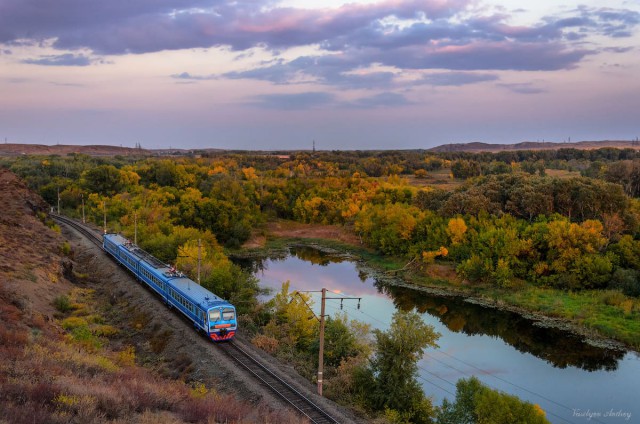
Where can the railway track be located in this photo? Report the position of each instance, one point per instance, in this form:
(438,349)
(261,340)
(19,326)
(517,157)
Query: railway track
(298,401)
(94,237)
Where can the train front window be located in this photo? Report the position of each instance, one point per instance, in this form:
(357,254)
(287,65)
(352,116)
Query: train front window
(228,314)
(214,315)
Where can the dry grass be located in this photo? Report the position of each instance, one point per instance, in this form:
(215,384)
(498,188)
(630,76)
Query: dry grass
(55,379)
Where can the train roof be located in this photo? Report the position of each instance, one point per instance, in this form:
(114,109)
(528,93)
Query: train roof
(178,280)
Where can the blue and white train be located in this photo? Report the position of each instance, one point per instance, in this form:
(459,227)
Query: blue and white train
(214,316)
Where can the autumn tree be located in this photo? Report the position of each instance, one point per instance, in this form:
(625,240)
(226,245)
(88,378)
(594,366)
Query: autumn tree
(293,323)
(572,254)
(456,228)
(390,228)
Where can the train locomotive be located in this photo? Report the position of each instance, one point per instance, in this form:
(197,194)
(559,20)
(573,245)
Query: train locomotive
(209,313)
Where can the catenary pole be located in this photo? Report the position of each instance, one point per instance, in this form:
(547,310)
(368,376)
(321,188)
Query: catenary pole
(321,353)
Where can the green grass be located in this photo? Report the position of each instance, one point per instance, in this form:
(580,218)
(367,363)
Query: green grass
(609,313)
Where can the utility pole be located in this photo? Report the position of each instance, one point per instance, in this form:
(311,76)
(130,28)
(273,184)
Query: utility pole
(58,200)
(322,316)
(104,214)
(83,220)
(199,259)
(135,228)
(321,353)
(322,324)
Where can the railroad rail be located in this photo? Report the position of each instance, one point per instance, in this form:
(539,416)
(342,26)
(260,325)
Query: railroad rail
(300,403)
(297,400)
(83,229)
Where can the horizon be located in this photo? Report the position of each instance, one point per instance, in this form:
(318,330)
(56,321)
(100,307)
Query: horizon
(278,75)
(583,143)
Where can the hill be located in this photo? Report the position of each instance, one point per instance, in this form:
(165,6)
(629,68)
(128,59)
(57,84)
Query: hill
(534,145)
(17,149)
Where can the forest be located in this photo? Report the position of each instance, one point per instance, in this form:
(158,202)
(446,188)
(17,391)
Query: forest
(555,232)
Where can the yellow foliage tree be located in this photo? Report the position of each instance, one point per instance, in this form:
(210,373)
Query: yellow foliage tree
(430,256)
(295,321)
(456,230)
(249,173)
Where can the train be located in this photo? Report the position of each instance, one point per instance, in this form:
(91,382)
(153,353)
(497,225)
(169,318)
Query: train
(209,313)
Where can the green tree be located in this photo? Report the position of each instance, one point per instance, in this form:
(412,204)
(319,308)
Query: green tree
(340,342)
(478,404)
(103,179)
(465,169)
(389,383)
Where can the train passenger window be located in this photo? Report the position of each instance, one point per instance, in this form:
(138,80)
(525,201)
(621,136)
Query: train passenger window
(228,314)
(214,315)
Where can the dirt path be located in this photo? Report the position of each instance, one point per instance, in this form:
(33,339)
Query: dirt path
(166,342)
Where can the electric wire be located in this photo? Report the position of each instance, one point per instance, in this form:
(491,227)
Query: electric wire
(480,370)
(466,373)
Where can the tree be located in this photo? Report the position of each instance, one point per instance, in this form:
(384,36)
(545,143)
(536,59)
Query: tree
(390,383)
(574,256)
(340,341)
(104,179)
(478,404)
(293,322)
(390,228)
(456,229)
(465,169)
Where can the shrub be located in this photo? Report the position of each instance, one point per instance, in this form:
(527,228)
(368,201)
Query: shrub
(66,248)
(627,280)
(612,297)
(62,304)
(105,331)
(127,357)
(266,343)
(74,322)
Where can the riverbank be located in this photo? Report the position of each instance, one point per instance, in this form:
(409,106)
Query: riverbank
(603,318)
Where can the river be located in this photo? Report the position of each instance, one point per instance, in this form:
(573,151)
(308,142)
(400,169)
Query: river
(573,381)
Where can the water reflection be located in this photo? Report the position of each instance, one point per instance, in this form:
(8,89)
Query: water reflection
(555,346)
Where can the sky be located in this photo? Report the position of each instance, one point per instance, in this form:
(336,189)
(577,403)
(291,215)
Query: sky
(274,75)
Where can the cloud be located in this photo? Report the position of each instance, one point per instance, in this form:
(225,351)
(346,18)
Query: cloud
(298,101)
(457,78)
(523,88)
(487,56)
(67,59)
(402,35)
(382,100)
(66,84)
(333,69)
(186,76)
(618,49)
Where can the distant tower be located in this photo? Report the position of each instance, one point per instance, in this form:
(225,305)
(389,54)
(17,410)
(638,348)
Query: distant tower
(314,146)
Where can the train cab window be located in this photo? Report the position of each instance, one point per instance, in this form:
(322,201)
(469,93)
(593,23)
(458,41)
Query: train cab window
(214,315)
(228,314)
